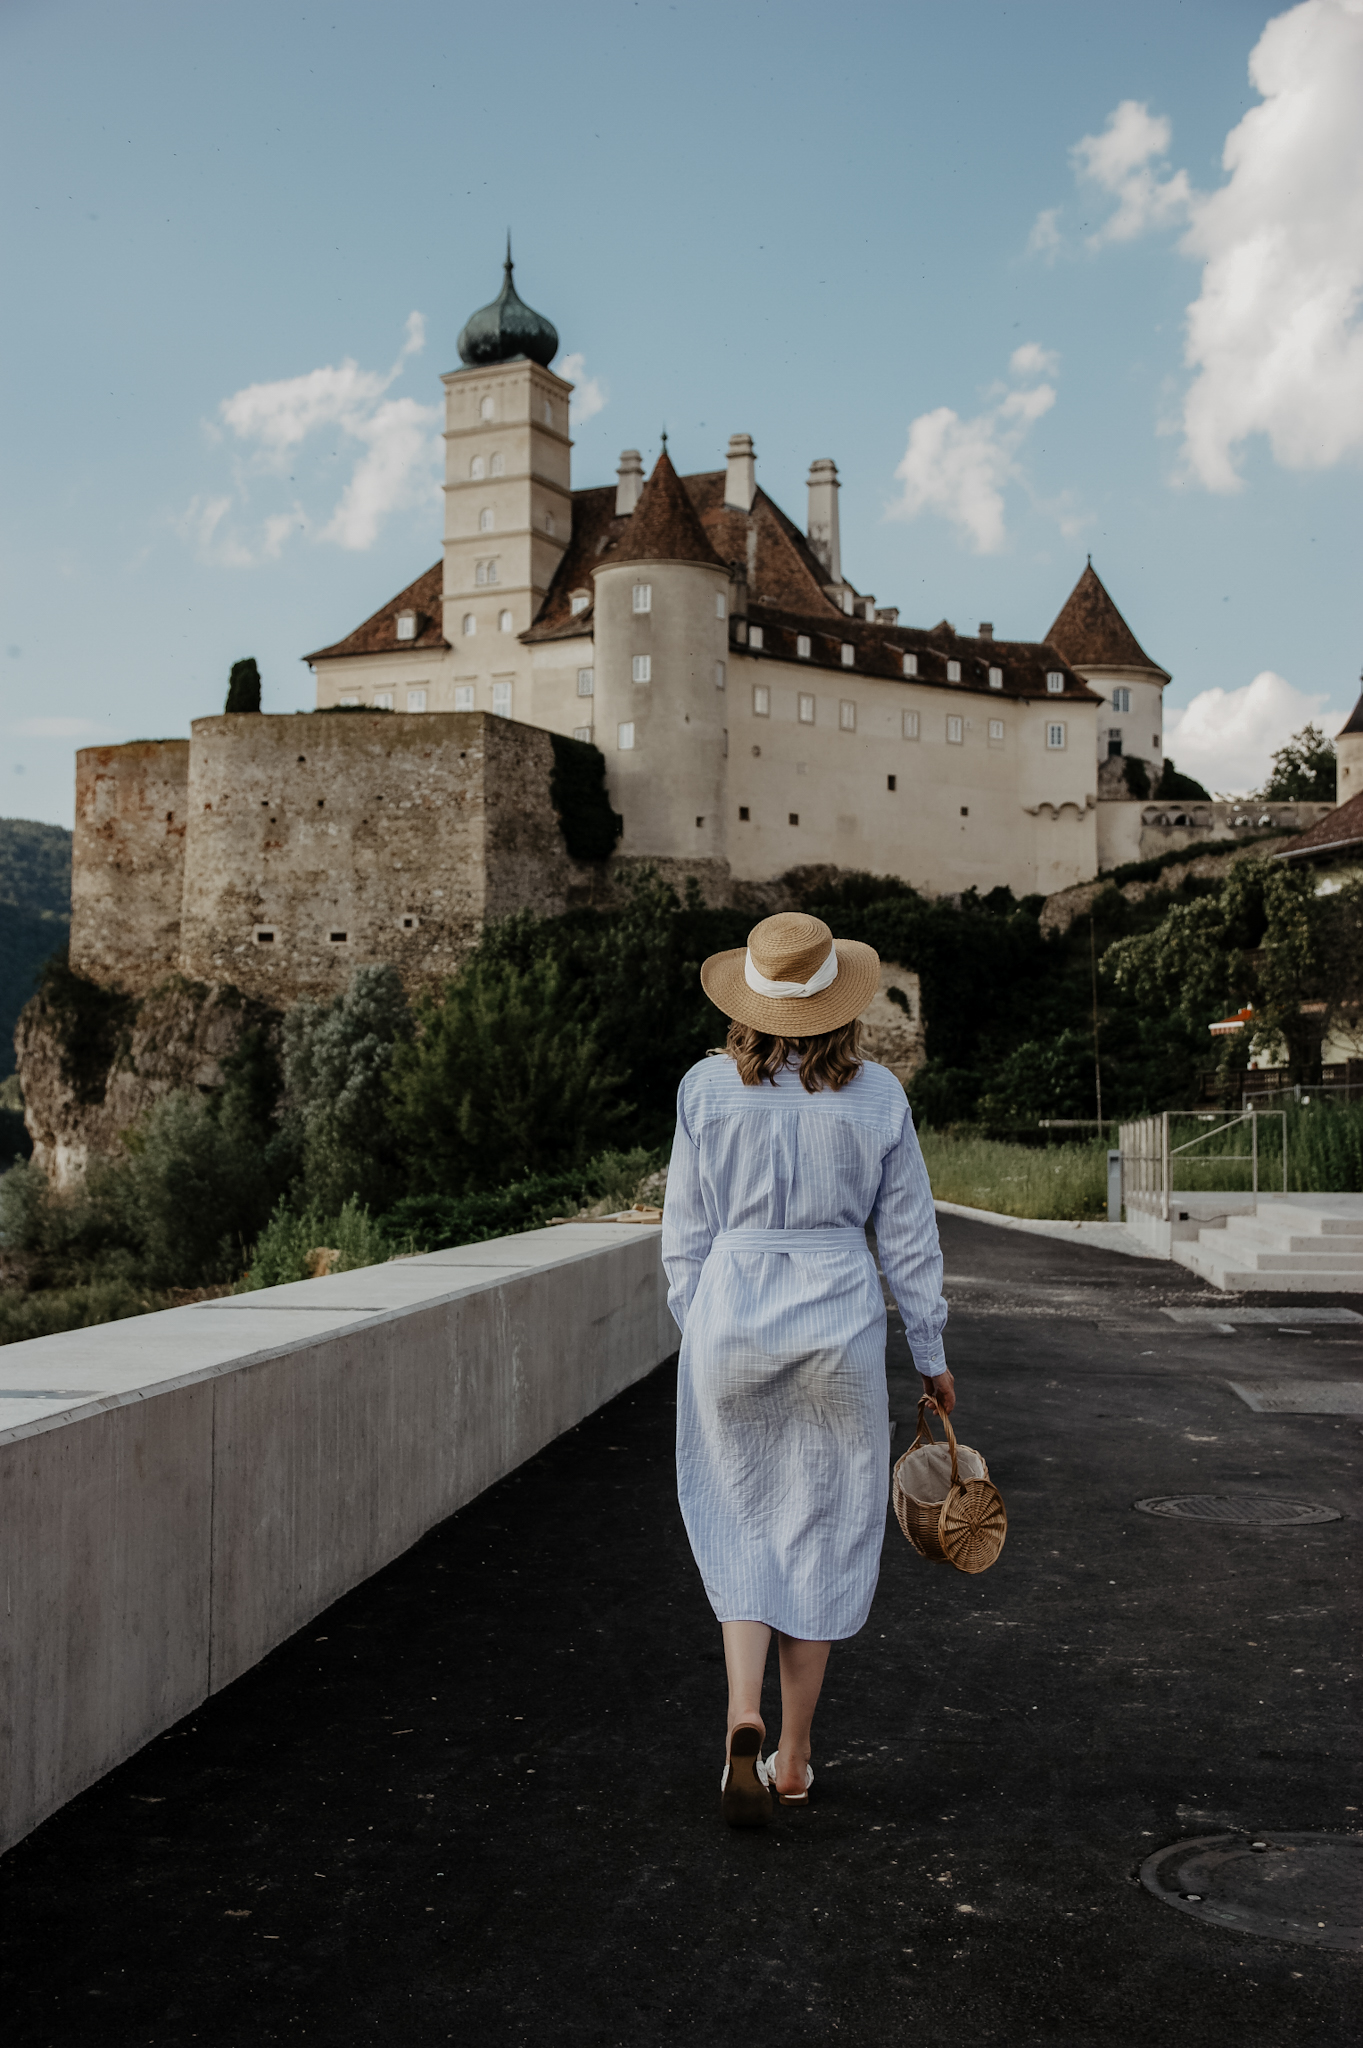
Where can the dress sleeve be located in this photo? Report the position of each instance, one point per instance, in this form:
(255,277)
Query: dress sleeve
(910,1254)
(686,1230)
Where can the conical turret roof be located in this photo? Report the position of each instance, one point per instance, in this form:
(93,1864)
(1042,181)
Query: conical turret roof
(1354,722)
(665,526)
(1091,633)
(506,329)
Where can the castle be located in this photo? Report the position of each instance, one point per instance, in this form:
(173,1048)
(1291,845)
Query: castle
(756,712)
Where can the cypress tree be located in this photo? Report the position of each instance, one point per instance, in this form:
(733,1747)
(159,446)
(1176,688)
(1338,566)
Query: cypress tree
(243,688)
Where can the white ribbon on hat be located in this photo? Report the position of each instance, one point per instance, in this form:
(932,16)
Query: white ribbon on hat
(822,977)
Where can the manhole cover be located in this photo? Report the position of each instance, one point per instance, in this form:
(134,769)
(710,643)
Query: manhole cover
(1306,1888)
(1262,1509)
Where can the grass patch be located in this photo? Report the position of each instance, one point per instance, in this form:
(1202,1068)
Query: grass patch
(1067,1183)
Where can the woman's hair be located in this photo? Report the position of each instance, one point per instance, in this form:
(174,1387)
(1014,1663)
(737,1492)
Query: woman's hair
(829,1059)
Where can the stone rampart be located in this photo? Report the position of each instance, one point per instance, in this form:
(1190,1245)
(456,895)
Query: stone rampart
(127,862)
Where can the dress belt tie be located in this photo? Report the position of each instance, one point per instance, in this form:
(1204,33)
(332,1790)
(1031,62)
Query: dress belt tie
(837,1238)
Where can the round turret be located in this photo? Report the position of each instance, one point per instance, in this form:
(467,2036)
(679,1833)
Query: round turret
(507,329)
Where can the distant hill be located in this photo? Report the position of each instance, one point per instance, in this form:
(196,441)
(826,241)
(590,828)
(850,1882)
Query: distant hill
(35,914)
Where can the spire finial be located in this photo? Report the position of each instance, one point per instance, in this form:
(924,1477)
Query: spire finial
(1090,561)
(509,264)
(664,440)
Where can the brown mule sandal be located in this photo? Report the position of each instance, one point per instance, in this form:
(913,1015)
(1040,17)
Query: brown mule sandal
(744,1800)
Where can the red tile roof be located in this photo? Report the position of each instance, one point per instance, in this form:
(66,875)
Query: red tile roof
(1091,632)
(663,526)
(1338,831)
(379,634)
(1354,722)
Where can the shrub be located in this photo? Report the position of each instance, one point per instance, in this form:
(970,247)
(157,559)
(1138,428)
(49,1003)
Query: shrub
(577,791)
(283,1249)
(613,1180)
(336,1057)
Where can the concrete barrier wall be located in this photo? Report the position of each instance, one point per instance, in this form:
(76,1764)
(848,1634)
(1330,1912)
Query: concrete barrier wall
(180,1492)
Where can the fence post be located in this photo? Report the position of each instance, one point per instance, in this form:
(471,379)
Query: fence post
(1114,1187)
(1164,1163)
(1254,1149)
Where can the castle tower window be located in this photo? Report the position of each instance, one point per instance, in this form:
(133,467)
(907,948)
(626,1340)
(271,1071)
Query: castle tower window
(643,597)
(1121,700)
(416,700)
(265,934)
(582,732)
(409,923)
(806,710)
(847,715)
(337,938)
(910,664)
(721,608)
(744,814)
(761,701)
(497,467)
(641,669)
(802,647)
(578,601)
(548,414)
(470,625)
(911,725)
(996,732)
(1055,735)
(349,703)
(794,817)
(383,700)
(953,671)
(849,654)
(549,523)
(487,410)
(463,696)
(624,737)
(477,469)
(996,678)
(1154,741)
(505,622)
(501,700)
(406,625)
(586,682)
(1055,682)
(955,731)
(487,519)
(721,675)
(889,782)
(1114,742)
(755,638)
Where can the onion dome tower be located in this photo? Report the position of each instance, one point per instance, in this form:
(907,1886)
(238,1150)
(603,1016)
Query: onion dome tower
(507,330)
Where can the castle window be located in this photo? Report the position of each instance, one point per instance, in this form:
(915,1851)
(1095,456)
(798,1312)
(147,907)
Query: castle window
(1154,741)
(849,654)
(641,669)
(721,675)
(485,572)
(586,682)
(794,817)
(910,664)
(383,700)
(955,731)
(463,696)
(505,622)
(498,465)
(996,732)
(1055,736)
(802,647)
(582,732)
(761,701)
(806,710)
(745,816)
(699,823)
(720,607)
(1055,682)
(624,737)
(349,703)
(578,601)
(643,597)
(1121,700)
(476,469)
(996,678)
(911,725)
(486,519)
(337,938)
(409,923)
(487,410)
(406,625)
(264,934)
(847,602)
(847,715)
(953,671)
(548,414)
(755,638)
(416,700)
(549,522)
(889,782)
(501,700)
(470,625)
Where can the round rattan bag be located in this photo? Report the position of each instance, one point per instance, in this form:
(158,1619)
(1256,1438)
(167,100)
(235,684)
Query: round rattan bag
(947,1505)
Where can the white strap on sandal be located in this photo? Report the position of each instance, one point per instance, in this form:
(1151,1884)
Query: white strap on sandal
(767,1773)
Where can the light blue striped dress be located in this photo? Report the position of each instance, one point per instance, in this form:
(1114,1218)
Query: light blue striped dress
(783,1450)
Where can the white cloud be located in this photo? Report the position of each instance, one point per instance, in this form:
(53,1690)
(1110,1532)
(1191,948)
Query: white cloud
(1227,738)
(591,394)
(54,728)
(396,457)
(1121,161)
(1044,239)
(961,468)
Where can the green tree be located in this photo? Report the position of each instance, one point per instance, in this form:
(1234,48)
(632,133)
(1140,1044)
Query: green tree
(243,687)
(336,1057)
(1175,788)
(1303,770)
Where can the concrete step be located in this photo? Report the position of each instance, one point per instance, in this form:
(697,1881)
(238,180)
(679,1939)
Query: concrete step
(1256,1233)
(1235,1275)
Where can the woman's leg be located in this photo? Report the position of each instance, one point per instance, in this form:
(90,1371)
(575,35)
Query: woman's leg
(745,1656)
(802,1670)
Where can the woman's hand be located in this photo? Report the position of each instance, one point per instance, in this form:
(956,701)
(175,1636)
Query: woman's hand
(942,1391)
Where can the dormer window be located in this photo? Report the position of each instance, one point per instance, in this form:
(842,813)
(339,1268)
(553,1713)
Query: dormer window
(1055,682)
(487,519)
(755,638)
(847,602)
(578,600)
(498,465)
(643,597)
(849,654)
(996,678)
(477,469)
(406,625)
(953,671)
(802,646)
(910,664)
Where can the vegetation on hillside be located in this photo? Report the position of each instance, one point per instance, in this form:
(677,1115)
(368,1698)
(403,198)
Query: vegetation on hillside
(1303,771)
(35,917)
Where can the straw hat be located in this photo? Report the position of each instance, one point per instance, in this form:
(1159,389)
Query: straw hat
(793,979)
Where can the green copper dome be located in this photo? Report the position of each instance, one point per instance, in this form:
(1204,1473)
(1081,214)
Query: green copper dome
(506,329)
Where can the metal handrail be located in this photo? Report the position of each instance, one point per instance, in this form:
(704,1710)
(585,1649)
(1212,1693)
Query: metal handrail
(1147,1156)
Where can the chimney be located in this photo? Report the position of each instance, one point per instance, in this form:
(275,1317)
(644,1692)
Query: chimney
(740,483)
(986,629)
(629,482)
(823,516)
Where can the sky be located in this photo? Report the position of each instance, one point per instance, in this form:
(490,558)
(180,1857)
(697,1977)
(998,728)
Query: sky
(1044,279)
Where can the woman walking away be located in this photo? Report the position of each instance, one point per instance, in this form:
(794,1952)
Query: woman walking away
(784,1148)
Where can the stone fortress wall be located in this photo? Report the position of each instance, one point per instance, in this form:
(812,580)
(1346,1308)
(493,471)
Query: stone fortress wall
(128,862)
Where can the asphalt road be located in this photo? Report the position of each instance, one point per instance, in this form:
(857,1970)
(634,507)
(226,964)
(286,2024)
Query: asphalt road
(477,1801)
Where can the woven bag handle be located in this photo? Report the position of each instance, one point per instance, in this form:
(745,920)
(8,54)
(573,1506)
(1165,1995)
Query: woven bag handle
(927,1406)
